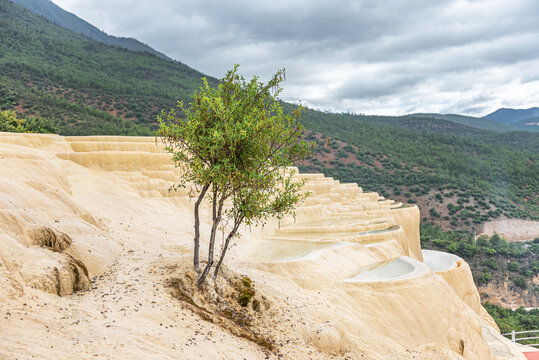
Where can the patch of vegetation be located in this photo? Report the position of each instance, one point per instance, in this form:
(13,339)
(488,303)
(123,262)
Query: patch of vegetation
(491,259)
(9,122)
(245,292)
(217,303)
(467,176)
(518,320)
(86,86)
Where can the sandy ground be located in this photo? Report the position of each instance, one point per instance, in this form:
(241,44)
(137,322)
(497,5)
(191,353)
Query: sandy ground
(512,229)
(108,195)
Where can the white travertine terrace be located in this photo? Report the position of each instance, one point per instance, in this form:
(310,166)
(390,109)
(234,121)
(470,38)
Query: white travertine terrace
(457,273)
(348,266)
(403,268)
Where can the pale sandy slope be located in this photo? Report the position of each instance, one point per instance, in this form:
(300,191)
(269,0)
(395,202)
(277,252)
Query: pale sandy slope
(345,280)
(512,229)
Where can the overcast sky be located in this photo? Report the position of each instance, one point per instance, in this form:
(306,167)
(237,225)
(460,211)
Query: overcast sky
(365,56)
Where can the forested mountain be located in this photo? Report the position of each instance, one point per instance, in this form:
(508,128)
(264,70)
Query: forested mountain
(516,117)
(57,15)
(88,87)
(475,122)
(460,174)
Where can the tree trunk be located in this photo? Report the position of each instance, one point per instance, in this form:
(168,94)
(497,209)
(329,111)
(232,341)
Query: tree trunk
(196,261)
(216,219)
(223,252)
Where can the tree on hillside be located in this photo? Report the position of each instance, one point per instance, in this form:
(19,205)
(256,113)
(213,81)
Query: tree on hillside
(233,146)
(9,122)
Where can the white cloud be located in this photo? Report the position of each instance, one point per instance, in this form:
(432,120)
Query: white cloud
(391,57)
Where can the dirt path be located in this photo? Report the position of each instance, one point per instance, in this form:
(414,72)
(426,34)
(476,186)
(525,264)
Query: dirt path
(127,313)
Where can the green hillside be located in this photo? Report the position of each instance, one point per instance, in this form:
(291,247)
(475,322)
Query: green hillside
(86,86)
(57,15)
(459,175)
(494,262)
(511,116)
(475,122)
(530,124)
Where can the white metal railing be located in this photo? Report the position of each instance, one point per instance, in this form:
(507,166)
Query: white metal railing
(516,339)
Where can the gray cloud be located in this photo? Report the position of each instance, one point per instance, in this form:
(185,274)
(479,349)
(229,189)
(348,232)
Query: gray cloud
(369,56)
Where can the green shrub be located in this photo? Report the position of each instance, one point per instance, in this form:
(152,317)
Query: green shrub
(10,123)
(467,250)
(496,240)
(453,247)
(482,241)
(485,277)
(520,282)
(491,263)
(342,154)
(433,213)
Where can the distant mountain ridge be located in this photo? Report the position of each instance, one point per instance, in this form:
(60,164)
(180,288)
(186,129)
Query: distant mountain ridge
(474,122)
(519,117)
(56,14)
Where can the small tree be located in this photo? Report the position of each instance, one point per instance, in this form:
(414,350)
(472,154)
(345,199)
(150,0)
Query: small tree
(233,147)
(10,123)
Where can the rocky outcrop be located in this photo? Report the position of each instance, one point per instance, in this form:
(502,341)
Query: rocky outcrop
(43,264)
(38,214)
(46,237)
(65,277)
